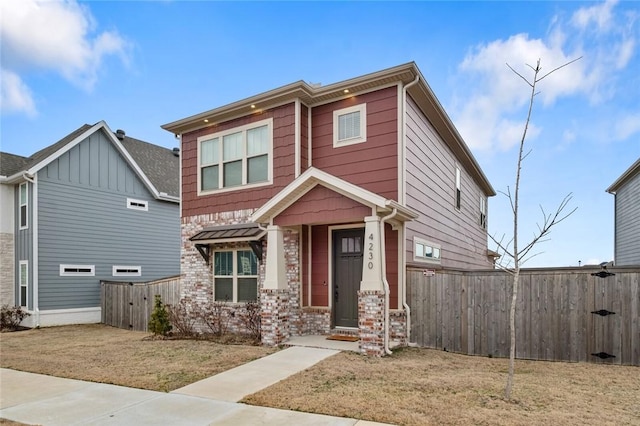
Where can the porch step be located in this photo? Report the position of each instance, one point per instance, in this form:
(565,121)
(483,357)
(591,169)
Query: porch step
(353,332)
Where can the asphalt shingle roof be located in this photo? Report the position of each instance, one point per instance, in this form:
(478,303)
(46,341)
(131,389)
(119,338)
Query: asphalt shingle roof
(159,164)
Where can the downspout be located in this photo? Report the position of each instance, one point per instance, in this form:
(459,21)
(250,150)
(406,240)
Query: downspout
(402,279)
(387,290)
(34,244)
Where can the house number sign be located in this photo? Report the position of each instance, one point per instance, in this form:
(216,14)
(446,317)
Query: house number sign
(370,264)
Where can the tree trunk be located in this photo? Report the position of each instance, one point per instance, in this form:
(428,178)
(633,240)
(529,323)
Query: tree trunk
(512,328)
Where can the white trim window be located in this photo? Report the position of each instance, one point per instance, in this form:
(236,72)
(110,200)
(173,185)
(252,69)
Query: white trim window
(235,275)
(350,125)
(23,282)
(458,194)
(126,271)
(483,212)
(77,270)
(242,156)
(134,204)
(426,251)
(24,205)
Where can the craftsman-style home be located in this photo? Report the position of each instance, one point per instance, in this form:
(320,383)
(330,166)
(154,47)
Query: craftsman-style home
(315,200)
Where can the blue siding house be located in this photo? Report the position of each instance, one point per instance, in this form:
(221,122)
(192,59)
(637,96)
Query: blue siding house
(626,190)
(96,205)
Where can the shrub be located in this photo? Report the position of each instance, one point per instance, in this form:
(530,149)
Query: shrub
(181,319)
(215,317)
(11,317)
(159,323)
(251,319)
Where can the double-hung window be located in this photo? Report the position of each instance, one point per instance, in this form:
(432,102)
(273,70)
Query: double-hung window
(483,212)
(23,280)
(24,206)
(240,156)
(235,275)
(350,125)
(458,188)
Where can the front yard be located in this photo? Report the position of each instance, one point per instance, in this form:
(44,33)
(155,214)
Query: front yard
(411,387)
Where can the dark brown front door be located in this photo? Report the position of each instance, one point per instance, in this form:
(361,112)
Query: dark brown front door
(347,274)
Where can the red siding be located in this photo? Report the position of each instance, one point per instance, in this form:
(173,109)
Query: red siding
(373,164)
(319,266)
(283,165)
(304,138)
(304,265)
(391,242)
(322,205)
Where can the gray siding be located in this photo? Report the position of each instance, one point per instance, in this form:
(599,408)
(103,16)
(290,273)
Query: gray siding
(84,220)
(430,168)
(627,219)
(24,245)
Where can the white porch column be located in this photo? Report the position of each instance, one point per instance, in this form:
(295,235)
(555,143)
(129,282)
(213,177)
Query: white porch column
(275,269)
(372,264)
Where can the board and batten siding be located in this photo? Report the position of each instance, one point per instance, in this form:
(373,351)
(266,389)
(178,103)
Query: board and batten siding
(24,245)
(430,174)
(627,220)
(84,220)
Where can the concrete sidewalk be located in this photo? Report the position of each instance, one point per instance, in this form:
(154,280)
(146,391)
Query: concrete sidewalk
(46,400)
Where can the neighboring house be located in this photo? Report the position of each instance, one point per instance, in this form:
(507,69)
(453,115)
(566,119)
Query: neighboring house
(96,205)
(317,199)
(626,190)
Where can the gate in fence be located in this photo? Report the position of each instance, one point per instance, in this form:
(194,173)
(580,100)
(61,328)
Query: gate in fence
(129,305)
(562,314)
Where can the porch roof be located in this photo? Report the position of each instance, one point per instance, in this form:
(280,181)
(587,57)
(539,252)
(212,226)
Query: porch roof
(313,177)
(229,233)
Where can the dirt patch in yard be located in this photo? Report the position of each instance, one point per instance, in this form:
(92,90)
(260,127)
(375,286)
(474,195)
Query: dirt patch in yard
(100,353)
(429,387)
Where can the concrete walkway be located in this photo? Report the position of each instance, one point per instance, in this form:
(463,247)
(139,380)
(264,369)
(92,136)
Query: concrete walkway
(46,400)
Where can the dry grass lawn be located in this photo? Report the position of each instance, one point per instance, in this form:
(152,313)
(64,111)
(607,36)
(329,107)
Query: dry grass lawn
(411,387)
(100,353)
(429,387)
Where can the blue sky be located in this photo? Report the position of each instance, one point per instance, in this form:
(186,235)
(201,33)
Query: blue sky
(138,65)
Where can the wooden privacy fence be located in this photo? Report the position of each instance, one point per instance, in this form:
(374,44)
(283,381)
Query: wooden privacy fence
(129,305)
(562,314)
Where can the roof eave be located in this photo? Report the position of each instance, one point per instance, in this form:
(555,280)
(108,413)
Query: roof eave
(630,172)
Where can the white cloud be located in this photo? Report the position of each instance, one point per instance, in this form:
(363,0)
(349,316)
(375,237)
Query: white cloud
(491,106)
(626,126)
(15,96)
(57,36)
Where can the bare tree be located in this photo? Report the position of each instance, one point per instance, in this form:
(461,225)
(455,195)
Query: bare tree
(511,249)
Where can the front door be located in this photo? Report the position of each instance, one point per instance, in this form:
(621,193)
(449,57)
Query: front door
(347,274)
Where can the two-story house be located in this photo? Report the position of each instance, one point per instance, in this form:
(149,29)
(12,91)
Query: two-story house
(316,199)
(626,190)
(96,205)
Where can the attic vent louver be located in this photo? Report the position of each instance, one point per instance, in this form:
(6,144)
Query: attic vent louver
(120,134)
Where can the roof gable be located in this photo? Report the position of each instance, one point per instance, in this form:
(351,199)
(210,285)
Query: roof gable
(628,174)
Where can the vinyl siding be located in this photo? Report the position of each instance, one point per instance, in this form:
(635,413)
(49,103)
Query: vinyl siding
(430,169)
(240,199)
(84,220)
(373,164)
(23,245)
(627,219)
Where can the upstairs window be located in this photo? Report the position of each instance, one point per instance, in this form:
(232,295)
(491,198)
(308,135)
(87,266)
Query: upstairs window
(458,194)
(137,204)
(350,125)
(483,212)
(425,251)
(24,206)
(235,276)
(77,270)
(126,271)
(241,156)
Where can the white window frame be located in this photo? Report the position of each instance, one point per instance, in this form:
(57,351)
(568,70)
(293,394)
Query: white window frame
(134,204)
(220,135)
(24,204)
(425,259)
(126,271)
(65,273)
(483,212)
(457,196)
(362,109)
(235,275)
(24,263)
